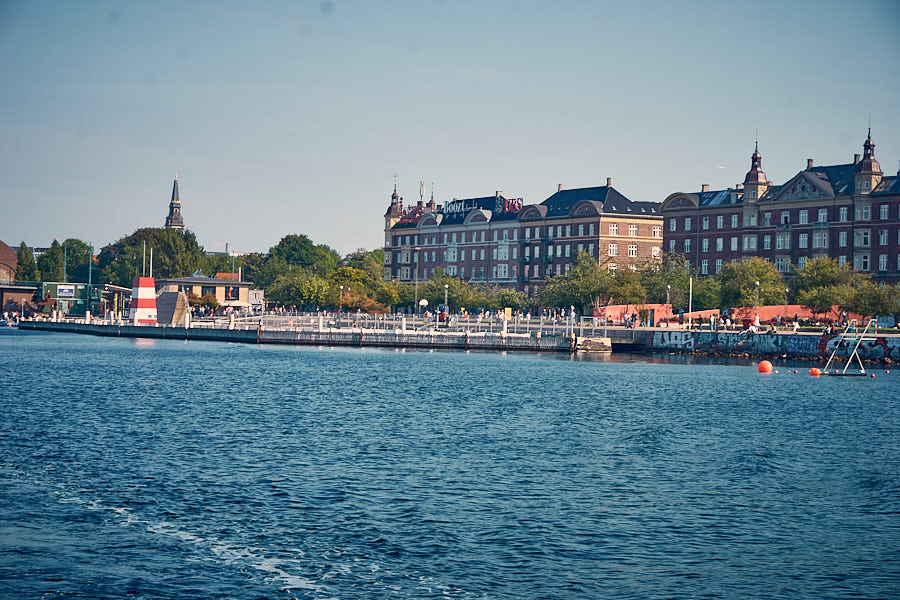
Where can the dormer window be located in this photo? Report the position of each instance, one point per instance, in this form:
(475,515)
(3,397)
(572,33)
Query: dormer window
(867,184)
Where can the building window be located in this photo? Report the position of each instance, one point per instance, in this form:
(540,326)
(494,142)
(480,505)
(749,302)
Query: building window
(749,243)
(687,245)
(718,265)
(767,219)
(863,213)
(861,262)
(720,244)
(883,212)
(720,221)
(581,230)
(613,229)
(704,267)
(613,250)
(782,264)
(803,240)
(482,253)
(820,239)
(734,221)
(687,223)
(612,266)
(704,245)
(785,217)
(734,244)
(655,251)
(671,245)
(801,262)
(672,225)
(749,219)
(823,215)
(568,231)
(842,213)
(590,229)
(705,222)
(767,242)
(591,249)
(657,231)
(527,233)
(861,239)
(632,230)
(804,217)
(632,250)
(883,237)
(842,260)
(842,239)
(882,262)
(783,241)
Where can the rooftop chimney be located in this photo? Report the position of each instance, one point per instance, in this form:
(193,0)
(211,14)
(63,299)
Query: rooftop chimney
(497,193)
(809,164)
(558,187)
(609,182)
(856,159)
(739,186)
(704,187)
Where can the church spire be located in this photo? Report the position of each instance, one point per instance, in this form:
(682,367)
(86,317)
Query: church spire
(868,164)
(175,220)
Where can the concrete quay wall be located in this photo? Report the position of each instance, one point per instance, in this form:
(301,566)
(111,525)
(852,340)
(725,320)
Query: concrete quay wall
(808,346)
(327,337)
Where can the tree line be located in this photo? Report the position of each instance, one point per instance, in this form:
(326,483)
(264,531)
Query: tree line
(298,273)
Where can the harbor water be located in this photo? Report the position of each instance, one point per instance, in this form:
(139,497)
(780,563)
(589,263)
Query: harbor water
(133,468)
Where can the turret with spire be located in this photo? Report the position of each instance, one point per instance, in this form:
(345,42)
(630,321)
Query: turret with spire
(755,182)
(395,209)
(868,171)
(175,220)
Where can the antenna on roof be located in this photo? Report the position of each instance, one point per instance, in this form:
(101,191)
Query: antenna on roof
(870,124)
(756,143)
(395,182)
(432,191)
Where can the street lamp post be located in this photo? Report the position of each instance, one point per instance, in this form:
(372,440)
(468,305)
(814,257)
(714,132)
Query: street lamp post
(340,305)
(756,304)
(416,262)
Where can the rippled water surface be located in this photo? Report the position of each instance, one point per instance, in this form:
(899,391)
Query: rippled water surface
(165,469)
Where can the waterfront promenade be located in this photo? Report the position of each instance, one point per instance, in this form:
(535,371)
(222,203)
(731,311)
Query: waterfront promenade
(359,330)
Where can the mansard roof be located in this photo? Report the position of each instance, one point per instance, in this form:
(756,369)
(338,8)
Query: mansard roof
(708,199)
(889,186)
(456,211)
(562,202)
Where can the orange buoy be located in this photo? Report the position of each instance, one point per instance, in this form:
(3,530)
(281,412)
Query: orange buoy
(764,367)
(872,375)
(815,372)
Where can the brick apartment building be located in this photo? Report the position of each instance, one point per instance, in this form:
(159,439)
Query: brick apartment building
(497,240)
(850,212)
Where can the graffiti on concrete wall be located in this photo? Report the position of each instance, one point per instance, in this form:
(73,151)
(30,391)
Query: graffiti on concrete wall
(674,340)
(777,344)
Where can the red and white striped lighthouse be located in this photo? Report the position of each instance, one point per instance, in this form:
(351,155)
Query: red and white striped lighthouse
(143,301)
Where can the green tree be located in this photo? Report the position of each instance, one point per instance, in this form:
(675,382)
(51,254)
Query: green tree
(77,254)
(295,250)
(586,286)
(50,263)
(627,288)
(175,254)
(27,269)
(823,272)
(739,288)
(870,299)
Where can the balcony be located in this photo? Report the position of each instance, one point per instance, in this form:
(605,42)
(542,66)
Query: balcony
(820,225)
(783,227)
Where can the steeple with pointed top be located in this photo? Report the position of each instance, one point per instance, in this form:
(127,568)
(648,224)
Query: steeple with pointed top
(175,220)
(868,171)
(755,182)
(868,164)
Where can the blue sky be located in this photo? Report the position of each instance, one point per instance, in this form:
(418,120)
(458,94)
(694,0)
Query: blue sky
(293,117)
